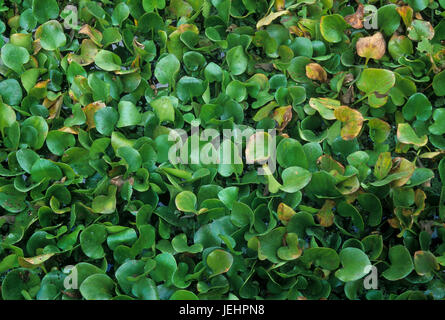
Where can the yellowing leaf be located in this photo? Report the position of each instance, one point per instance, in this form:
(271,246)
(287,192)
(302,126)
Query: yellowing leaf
(325,215)
(406,12)
(265,21)
(402,165)
(95,35)
(352,122)
(383,165)
(34,262)
(407,135)
(371,47)
(90,110)
(325,107)
(316,72)
(282,116)
(285,213)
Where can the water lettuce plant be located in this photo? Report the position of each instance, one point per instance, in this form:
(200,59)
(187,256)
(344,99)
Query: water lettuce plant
(92,207)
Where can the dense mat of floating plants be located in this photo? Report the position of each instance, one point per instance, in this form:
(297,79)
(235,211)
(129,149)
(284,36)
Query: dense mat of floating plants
(91,207)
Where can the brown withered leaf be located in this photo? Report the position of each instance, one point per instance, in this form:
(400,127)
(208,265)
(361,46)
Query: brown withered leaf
(316,72)
(36,46)
(231,28)
(349,96)
(356,20)
(426,225)
(371,47)
(119,181)
(265,66)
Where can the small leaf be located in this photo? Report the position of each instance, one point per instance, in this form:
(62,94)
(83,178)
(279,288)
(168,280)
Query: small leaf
(315,71)
(332,27)
(295,179)
(371,47)
(186,201)
(89,286)
(401,263)
(355,264)
(108,60)
(219,261)
(237,60)
(407,135)
(267,20)
(425,263)
(352,122)
(14,57)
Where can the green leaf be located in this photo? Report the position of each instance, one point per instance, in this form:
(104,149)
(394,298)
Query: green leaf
(14,57)
(188,88)
(11,92)
(219,261)
(186,201)
(355,264)
(237,60)
(45,169)
(106,119)
(183,295)
(425,263)
(438,116)
(7,117)
(108,60)
(439,84)
(51,35)
(332,27)
(105,204)
(290,153)
(401,263)
(20,281)
(89,286)
(58,141)
(376,82)
(167,69)
(45,10)
(418,106)
(91,240)
(325,258)
(295,179)
(388,19)
(128,114)
(120,13)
